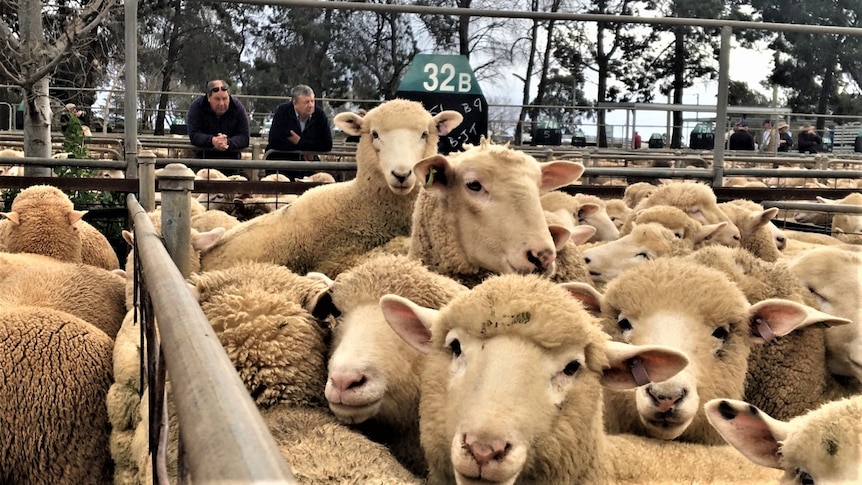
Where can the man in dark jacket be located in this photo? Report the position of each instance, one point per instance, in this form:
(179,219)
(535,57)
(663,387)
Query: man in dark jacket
(741,139)
(297,126)
(808,140)
(218,123)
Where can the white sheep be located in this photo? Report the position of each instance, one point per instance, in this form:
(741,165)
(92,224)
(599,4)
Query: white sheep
(512,393)
(373,377)
(635,193)
(596,215)
(618,211)
(675,219)
(645,242)
(757,232)
(834,278)
(330,226)
(56,370)
(846,227)
(479,212)
(823,446)
(701,313)
(698,201)
(788,376)
(263,314)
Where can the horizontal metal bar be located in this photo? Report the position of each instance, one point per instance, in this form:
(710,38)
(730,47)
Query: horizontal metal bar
(215,411)
(813,207)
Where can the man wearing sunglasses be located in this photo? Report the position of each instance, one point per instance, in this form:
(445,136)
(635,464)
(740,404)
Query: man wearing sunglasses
(218,123)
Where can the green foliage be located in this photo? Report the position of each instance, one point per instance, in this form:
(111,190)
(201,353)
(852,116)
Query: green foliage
(73,137)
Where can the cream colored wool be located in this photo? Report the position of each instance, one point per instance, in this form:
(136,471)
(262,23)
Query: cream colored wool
(329,227)
(42,221)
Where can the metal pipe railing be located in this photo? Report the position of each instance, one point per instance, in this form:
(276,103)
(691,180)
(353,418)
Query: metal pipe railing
(227,440)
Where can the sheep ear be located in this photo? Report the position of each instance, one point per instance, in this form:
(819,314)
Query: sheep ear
(748,429)
(446,121)
(708,231)
(434,171)
(129,237)
(637,365)
(410,321)
(319,303)
(75,216)
(205,240)
(582,233)
(776,317)
(559,174)
(587,210)
(350,123)
(589,297)
(12,216)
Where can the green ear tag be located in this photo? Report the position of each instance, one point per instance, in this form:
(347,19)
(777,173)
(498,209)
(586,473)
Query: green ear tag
(430,177)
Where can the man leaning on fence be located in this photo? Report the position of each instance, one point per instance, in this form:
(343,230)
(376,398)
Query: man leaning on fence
(299,125)
(218,124)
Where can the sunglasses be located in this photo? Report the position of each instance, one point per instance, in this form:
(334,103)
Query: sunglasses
(217,89)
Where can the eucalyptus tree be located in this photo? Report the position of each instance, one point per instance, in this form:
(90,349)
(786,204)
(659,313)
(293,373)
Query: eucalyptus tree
(32,53)
(816,70)
(607,49)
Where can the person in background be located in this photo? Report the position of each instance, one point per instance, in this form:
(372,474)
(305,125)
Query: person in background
(355,138)
(808,140)
(766,137)
(637,140)
(299,125)
(218,124)
(785,139)
(741,139)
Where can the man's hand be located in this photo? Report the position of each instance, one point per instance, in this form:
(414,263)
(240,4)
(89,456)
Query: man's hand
(294,138)
(220,142)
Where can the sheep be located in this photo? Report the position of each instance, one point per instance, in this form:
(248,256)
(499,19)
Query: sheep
(635,193)
(699,202)
(373,379)
(56,369)
(263,315)
(123,399)
(618,211)
(683,226)
(95,248)
(570,264)
(511,392)
(846,227)
(211,219)
(755,227)
(821,447)
(789,376)
(700,312)
(833,277)
(469,196)
(42,221)
(599,218)
(646,241)
(330,226)
(92,294)
(319,177)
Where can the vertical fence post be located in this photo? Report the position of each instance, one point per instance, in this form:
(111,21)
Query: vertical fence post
(146,171)
(175,184)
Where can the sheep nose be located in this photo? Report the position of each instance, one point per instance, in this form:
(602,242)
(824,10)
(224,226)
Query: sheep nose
(347,380)
(483,453)
(782,242)
(542,260)
(665,401)
(401,178)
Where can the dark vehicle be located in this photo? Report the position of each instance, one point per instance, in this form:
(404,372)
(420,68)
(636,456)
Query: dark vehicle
(656,140)
(702,137)
(857,144)
(548,133)
(579,139)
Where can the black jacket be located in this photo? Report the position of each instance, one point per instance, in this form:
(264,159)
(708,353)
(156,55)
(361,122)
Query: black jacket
(203,125)
(317,136)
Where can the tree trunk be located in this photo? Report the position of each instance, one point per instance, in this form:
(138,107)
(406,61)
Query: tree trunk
(602,88)
(37,108)
(678,85)
(464,30)
(519,130)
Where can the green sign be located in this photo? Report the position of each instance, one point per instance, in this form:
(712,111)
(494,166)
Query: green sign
(435,73)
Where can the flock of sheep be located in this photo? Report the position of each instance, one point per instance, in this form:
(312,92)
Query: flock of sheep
(456,319)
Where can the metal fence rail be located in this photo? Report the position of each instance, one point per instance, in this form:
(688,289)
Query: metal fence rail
(229,442)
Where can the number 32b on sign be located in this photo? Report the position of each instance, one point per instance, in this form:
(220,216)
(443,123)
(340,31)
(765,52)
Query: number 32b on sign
(445,78)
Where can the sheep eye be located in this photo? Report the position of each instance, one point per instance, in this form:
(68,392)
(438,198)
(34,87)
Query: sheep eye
(571,368)
(424,135)
(644,256)
(455,347)
(624,324)
(475,186)
(374,134)
(721,333)
(678,235)
(804,477)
